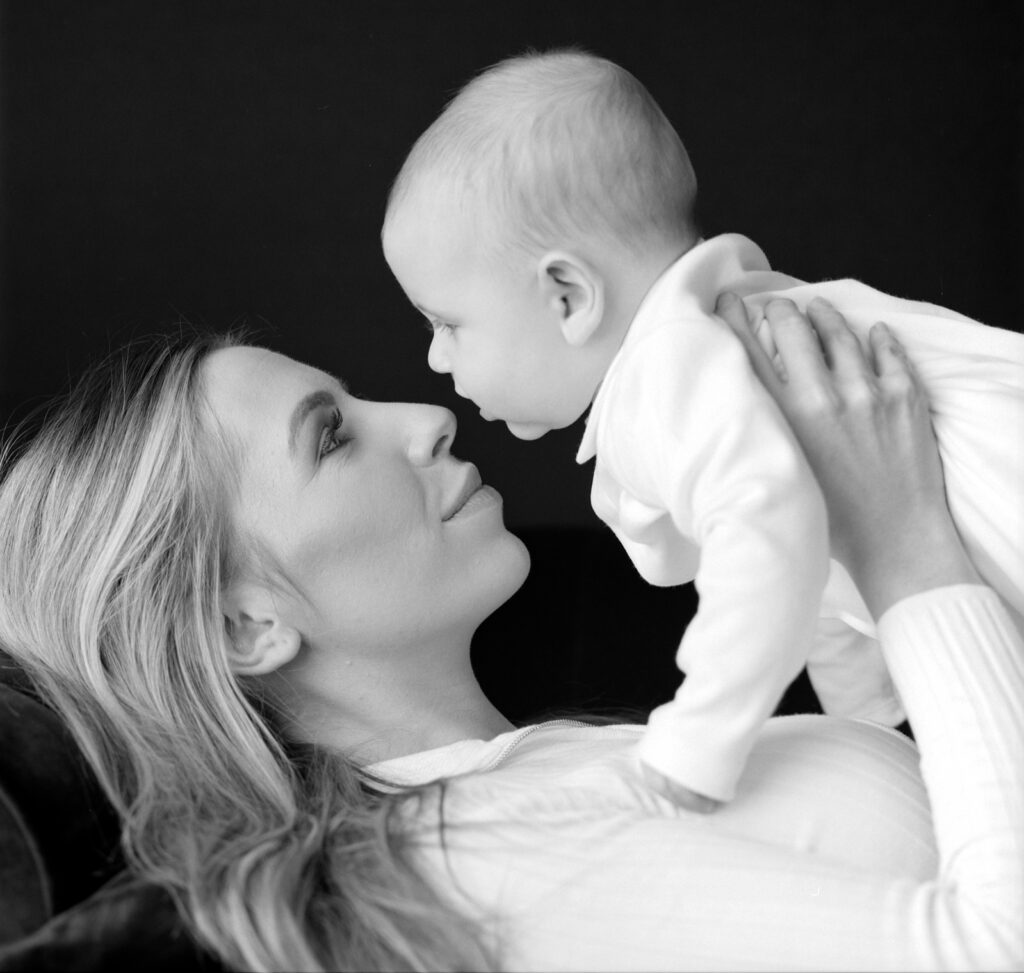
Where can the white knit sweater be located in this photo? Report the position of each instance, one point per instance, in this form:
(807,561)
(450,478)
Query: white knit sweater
(846,847)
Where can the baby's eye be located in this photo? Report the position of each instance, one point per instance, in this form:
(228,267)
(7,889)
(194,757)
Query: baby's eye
(330,440)
(434,326)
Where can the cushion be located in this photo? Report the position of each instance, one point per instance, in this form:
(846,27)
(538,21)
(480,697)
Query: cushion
(48,785)
(66,900)
(26,901)
(126,925)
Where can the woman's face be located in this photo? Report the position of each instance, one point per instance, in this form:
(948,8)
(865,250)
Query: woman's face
(385,539)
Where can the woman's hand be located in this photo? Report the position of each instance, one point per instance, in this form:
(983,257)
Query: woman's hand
(861,416)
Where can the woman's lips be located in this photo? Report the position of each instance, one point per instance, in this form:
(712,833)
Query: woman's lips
(484,496)
(472,495)
(470,484)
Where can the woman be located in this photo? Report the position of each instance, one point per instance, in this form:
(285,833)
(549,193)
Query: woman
(252,595)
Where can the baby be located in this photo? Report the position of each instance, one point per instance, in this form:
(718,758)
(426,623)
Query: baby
(544,226)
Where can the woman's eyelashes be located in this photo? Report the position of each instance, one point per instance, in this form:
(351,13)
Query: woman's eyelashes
(330,438)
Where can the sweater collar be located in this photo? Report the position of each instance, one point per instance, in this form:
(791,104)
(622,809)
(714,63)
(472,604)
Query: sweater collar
(453,759)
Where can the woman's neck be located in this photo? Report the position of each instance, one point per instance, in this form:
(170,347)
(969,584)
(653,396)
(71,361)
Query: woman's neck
(385,705)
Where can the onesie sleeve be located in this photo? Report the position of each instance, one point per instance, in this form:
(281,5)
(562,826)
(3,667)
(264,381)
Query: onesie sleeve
(722,461)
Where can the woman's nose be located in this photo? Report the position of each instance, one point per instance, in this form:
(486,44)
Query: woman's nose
(431,432)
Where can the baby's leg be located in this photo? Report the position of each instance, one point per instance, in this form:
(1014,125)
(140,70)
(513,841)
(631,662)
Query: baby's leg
(987,510)
(845,664)
(850,676)
(979,425)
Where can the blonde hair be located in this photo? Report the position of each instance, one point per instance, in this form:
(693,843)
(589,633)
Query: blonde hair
(558,146)
(114,551)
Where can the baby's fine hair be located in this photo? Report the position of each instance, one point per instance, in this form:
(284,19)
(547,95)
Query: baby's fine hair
(559,145)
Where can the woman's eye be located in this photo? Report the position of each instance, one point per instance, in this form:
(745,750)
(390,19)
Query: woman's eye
(330,438)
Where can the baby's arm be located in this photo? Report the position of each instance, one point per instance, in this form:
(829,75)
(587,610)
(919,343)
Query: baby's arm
(727,468)
(849,674)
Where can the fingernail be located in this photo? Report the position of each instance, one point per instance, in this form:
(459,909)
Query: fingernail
(820,300)
(725,300)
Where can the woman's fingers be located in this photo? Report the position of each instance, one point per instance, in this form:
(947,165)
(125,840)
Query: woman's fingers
(861,416)
(733,311)
(890,356)
(843,351)
(797,343)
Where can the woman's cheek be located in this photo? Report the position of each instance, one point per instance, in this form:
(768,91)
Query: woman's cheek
(378,557)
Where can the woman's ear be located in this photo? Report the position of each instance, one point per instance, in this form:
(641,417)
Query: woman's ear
(575,290)
(259,640)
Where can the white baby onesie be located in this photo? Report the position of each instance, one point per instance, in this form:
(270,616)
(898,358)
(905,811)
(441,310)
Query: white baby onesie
(701,479)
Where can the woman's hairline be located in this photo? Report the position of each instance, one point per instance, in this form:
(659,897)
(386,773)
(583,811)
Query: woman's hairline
(251,559)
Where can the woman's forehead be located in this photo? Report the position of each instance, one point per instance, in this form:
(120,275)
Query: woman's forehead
(249,375)
(251,393)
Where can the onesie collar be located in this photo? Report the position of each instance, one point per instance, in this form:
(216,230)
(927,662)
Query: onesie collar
(689,286)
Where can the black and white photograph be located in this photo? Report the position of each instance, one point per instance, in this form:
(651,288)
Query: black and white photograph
(511,486)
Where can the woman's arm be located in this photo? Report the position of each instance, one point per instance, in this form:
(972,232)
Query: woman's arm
(862,419)
(575,874)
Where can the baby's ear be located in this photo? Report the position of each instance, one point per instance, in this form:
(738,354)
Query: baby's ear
(574,289)
(259,641)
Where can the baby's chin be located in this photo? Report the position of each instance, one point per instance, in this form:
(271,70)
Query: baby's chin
(527,430)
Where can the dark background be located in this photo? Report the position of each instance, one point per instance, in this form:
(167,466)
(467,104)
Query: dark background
(228,162)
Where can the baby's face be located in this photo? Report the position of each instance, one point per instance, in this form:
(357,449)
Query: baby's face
(493,330)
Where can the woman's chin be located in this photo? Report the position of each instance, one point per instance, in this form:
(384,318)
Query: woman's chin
(515,569)
(524,561)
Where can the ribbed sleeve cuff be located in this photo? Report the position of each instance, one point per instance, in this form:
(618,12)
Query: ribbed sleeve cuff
(958,662)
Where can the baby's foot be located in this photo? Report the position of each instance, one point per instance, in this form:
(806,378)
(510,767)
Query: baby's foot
(678,794)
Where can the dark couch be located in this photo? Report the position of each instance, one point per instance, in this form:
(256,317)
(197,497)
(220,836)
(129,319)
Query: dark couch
(584,633)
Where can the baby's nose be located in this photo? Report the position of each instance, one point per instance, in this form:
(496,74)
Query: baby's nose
(437,359)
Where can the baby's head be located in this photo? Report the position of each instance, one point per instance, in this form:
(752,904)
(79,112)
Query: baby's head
(527,223)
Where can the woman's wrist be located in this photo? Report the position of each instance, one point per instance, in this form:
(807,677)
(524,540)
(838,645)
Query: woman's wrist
(930,556)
